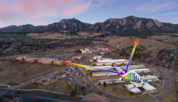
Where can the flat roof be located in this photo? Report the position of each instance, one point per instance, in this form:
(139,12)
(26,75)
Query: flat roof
(101,67)
(31,58)
(143,69)
(110,80)
(119,69)
(103,73)
(149,77)
(134,89)
(111,60)
(147,86)
(50,77)
(50,59)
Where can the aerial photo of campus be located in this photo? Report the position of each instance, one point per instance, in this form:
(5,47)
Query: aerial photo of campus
(88,51)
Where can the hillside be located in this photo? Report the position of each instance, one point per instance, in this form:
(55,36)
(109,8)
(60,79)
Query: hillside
(127,25)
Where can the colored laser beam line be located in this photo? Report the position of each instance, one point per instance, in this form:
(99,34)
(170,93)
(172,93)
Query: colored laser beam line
(68,63)
(136,43)
(121,73)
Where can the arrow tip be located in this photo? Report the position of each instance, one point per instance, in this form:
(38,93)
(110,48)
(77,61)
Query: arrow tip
(67,62)
(136,42)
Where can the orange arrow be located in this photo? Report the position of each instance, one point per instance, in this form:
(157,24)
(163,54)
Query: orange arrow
(67,62)
(136,41)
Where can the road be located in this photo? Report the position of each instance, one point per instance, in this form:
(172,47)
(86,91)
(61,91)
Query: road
(173,62)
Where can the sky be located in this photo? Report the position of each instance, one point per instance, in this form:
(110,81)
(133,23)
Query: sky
(43,12)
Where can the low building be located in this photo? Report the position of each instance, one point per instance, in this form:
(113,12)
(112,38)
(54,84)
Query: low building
(129,85)
(144,70)
(99,67)
(96,57)
(148,87)
(31,59)
(137,84)
(149,81)
(58,62)
(133,66)
(119,69)
(77,57)
(86,50)
(103,74)
(109,62)
(110,81)
(102,49)
(50,78)
(135,90)
(21,58)
(64,75)
(149,77)
(47,61)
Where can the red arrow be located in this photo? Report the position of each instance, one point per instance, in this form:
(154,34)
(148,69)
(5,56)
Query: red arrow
(67,62)
(136,41)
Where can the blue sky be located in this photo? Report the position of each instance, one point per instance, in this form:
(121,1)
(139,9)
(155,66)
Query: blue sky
(43,12)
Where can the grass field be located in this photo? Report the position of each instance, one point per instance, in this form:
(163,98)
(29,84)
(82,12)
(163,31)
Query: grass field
(108,86)
(157,85)
(169,98)
(164,38)
(18,72)
(62,36)
(121,91)
(149,44)
(58,86)
(59,95)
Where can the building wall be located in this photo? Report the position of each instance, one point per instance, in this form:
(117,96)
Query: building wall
(57,63)
(150,90)
(108,64)
(138,92)
(30,60)
(107,74)
(133,66)
(19,59)
(39,60)
(109,82)
(47,62)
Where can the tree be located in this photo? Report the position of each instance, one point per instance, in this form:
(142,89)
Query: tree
(82,88)
(99,83)
(104,84)
(73,93)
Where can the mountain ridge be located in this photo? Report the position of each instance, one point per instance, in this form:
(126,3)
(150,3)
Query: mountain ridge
(111,25)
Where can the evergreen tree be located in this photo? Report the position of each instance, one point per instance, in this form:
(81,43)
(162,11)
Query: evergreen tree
(104,84)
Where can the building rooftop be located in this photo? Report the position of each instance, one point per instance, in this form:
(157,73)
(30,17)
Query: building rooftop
(100,67)
(134,89)
(50,77)
(48,59)
(149,77)
(129,85)
(143,69)
(103,73)
(147,86)
(31,58)
(110,80)
(111,60)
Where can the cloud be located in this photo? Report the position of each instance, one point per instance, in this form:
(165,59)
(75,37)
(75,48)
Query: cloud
(170,14)
(157,5)
(31,10)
